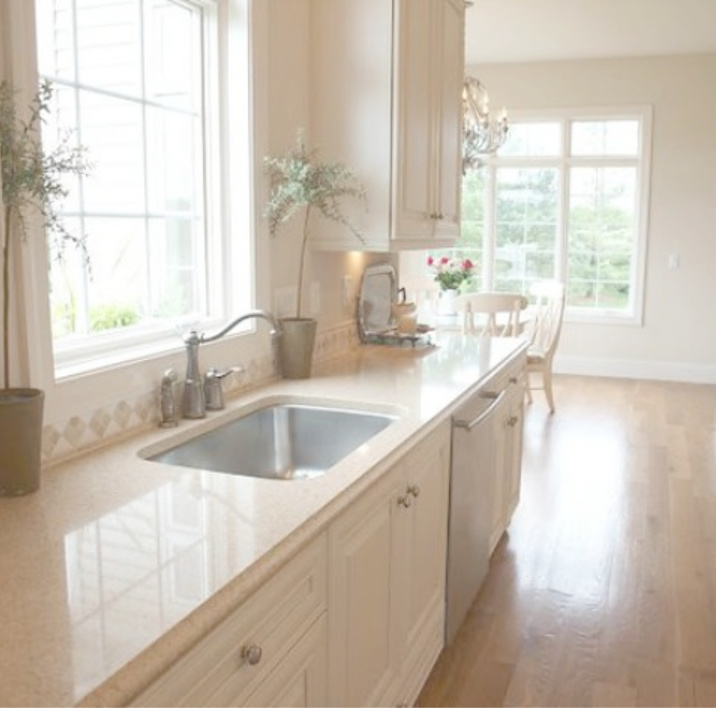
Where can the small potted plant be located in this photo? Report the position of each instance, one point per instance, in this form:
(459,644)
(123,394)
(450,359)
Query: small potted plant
(449,274)
(299,181)
(31,182)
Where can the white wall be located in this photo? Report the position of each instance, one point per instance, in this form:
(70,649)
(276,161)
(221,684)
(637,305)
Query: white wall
(678,337)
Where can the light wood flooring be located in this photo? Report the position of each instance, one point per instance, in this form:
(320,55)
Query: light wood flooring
(603,591)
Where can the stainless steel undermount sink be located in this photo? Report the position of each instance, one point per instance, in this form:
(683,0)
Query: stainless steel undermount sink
(279,441)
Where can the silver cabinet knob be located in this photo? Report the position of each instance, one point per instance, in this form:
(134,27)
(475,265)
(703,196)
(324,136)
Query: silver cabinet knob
(405,501)
(413,489)
(252,654)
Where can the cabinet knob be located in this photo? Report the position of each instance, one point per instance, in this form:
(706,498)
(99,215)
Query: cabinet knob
(413,489)
(405,501)
(512,421)
(252,654)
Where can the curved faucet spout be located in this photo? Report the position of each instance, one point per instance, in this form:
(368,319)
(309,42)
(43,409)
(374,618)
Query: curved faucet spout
(258,314)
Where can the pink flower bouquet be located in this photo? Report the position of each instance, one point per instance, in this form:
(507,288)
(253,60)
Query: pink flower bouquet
(450,273)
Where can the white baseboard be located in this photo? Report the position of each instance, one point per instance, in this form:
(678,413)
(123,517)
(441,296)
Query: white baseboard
(634,369)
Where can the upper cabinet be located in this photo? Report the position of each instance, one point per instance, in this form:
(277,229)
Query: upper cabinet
(386,82)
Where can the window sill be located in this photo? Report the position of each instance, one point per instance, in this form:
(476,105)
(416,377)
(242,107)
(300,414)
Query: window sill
(603,318)
(115,351)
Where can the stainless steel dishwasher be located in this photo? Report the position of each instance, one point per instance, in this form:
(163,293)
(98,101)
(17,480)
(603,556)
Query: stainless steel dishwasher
(472,482)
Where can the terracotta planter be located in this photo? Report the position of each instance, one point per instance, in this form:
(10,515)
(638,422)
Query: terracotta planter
(20,440)
(295,347)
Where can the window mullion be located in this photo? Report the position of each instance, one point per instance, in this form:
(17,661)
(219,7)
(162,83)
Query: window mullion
(149,290)
(82,305)
(489,236)
(562,246)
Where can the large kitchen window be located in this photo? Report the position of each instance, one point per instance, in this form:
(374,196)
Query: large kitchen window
(137,82)
(565,198)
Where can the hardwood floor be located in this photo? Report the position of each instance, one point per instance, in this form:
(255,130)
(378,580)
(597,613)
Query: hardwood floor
(603,591)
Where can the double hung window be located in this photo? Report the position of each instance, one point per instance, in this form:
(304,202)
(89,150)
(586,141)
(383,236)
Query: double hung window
(136,82)
(565,198)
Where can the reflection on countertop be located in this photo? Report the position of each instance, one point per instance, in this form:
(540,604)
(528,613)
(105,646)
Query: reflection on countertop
(115,552)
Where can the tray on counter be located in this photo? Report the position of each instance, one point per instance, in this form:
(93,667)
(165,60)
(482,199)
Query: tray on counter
(422,337)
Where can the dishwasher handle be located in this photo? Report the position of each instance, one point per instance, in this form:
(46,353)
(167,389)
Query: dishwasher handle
(495,397)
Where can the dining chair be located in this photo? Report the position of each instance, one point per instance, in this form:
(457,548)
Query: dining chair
(543,333)
(492,314)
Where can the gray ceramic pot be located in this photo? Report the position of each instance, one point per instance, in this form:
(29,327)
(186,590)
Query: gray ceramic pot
(20,440)
(295,346)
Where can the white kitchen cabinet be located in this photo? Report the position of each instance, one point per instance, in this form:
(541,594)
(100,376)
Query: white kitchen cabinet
(387,557)
(363,624)
(271,650)
(386,101)
(509,423)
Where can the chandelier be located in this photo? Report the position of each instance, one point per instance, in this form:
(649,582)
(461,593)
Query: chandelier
(482,135)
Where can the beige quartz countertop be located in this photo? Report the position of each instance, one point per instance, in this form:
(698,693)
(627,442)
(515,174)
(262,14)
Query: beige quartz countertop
(118,565)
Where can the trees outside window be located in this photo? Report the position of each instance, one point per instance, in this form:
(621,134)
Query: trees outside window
(565,198)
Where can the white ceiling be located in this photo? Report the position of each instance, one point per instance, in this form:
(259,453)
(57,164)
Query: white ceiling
(540,30)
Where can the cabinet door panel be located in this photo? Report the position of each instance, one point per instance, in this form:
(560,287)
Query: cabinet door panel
(426,547)
(499,499)
(449,125)
(508,454)
(514,475)
(420,592)
(416,115)
(361,614)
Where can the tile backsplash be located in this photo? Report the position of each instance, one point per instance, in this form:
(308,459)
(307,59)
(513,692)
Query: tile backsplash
(91,429)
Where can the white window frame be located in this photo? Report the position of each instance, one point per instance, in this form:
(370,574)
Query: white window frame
(246,45)
(563,162)
(227,275)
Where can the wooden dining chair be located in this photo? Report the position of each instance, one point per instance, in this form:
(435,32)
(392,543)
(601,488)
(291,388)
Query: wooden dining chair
(492,314)
(543,333)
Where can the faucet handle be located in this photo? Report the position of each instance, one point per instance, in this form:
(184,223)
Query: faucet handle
(213,393)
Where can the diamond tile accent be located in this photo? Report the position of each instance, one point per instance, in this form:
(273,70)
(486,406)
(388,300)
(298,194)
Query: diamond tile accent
(50,438)
(99,421)
(74,431)
(122,414)
(145,408)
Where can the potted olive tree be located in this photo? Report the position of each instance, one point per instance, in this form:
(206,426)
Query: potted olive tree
(299,181)
(31,182)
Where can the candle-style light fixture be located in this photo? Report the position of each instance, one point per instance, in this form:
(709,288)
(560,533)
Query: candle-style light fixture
(482,134)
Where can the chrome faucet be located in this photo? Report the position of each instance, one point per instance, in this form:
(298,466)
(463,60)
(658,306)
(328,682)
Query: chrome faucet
(194,401)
